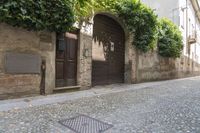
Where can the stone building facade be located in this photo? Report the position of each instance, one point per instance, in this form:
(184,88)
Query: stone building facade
(137,66)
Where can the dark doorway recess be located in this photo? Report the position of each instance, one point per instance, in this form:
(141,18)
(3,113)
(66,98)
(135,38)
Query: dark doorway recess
(108,52)
(66,59)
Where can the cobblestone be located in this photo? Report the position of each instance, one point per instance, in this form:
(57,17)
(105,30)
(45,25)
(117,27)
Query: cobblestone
(169,107)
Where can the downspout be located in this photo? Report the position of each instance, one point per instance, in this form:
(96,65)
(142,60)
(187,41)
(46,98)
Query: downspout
(187,43)
(195,45)
(187,46)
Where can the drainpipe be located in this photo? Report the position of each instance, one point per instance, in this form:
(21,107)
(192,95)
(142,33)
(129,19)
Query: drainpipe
(187,46)
(187,43)
(195,45)
(43,73)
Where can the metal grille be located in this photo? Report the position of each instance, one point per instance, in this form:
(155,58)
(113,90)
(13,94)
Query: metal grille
(85,124)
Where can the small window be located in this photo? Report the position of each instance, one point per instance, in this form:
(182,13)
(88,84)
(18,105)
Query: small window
(190,26)
(182,18)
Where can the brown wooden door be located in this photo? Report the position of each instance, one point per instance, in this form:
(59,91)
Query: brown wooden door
(66,59)
(108,52)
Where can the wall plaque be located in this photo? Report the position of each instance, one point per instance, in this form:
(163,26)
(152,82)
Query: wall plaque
(17,63)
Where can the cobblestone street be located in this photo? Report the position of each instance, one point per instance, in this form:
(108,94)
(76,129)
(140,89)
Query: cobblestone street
(158,107)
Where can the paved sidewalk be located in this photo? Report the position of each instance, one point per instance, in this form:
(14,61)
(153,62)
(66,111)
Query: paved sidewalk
(158,107)
(6,105)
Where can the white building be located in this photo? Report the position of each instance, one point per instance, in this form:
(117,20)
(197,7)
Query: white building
(184,13)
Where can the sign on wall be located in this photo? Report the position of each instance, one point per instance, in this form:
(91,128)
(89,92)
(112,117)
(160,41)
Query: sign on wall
(17,63)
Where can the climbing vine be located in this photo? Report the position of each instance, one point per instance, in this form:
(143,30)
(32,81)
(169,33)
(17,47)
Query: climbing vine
(52,15)
(60,15)
(139,19)
(170,39)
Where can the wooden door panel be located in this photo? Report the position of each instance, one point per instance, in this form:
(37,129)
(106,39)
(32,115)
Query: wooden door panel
(60,55)
(100,72)
(72,44)
(59,70)
(71,74)
(71,61)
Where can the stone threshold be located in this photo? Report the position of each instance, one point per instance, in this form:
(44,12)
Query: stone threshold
(67,88)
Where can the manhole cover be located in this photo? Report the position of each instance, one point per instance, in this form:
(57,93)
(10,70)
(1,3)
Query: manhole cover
(85,124)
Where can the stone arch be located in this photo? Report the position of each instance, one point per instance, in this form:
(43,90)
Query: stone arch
(127,45)
(85,52)
(114,17)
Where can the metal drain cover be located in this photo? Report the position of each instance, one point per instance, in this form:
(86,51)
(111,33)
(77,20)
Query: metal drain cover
(85,124)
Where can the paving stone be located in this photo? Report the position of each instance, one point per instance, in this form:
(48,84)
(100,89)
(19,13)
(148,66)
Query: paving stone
(168,107)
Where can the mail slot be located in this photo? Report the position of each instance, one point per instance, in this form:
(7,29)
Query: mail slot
(17,63)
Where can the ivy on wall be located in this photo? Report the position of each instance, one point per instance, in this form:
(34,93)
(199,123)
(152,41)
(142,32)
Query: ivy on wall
(86,8)
(52,15)
(170,39)
(138,19)
(60,15)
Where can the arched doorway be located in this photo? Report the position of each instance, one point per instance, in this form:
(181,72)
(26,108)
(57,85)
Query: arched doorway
(108,51)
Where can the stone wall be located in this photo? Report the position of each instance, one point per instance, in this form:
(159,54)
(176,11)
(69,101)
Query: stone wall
(139,67)
(85,61)
(152,67)
(84,76)
(17,40)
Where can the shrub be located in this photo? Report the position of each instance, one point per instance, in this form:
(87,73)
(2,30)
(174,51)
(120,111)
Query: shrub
(170,39)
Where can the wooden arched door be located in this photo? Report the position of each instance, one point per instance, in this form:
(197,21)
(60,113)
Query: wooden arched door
(108,51)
